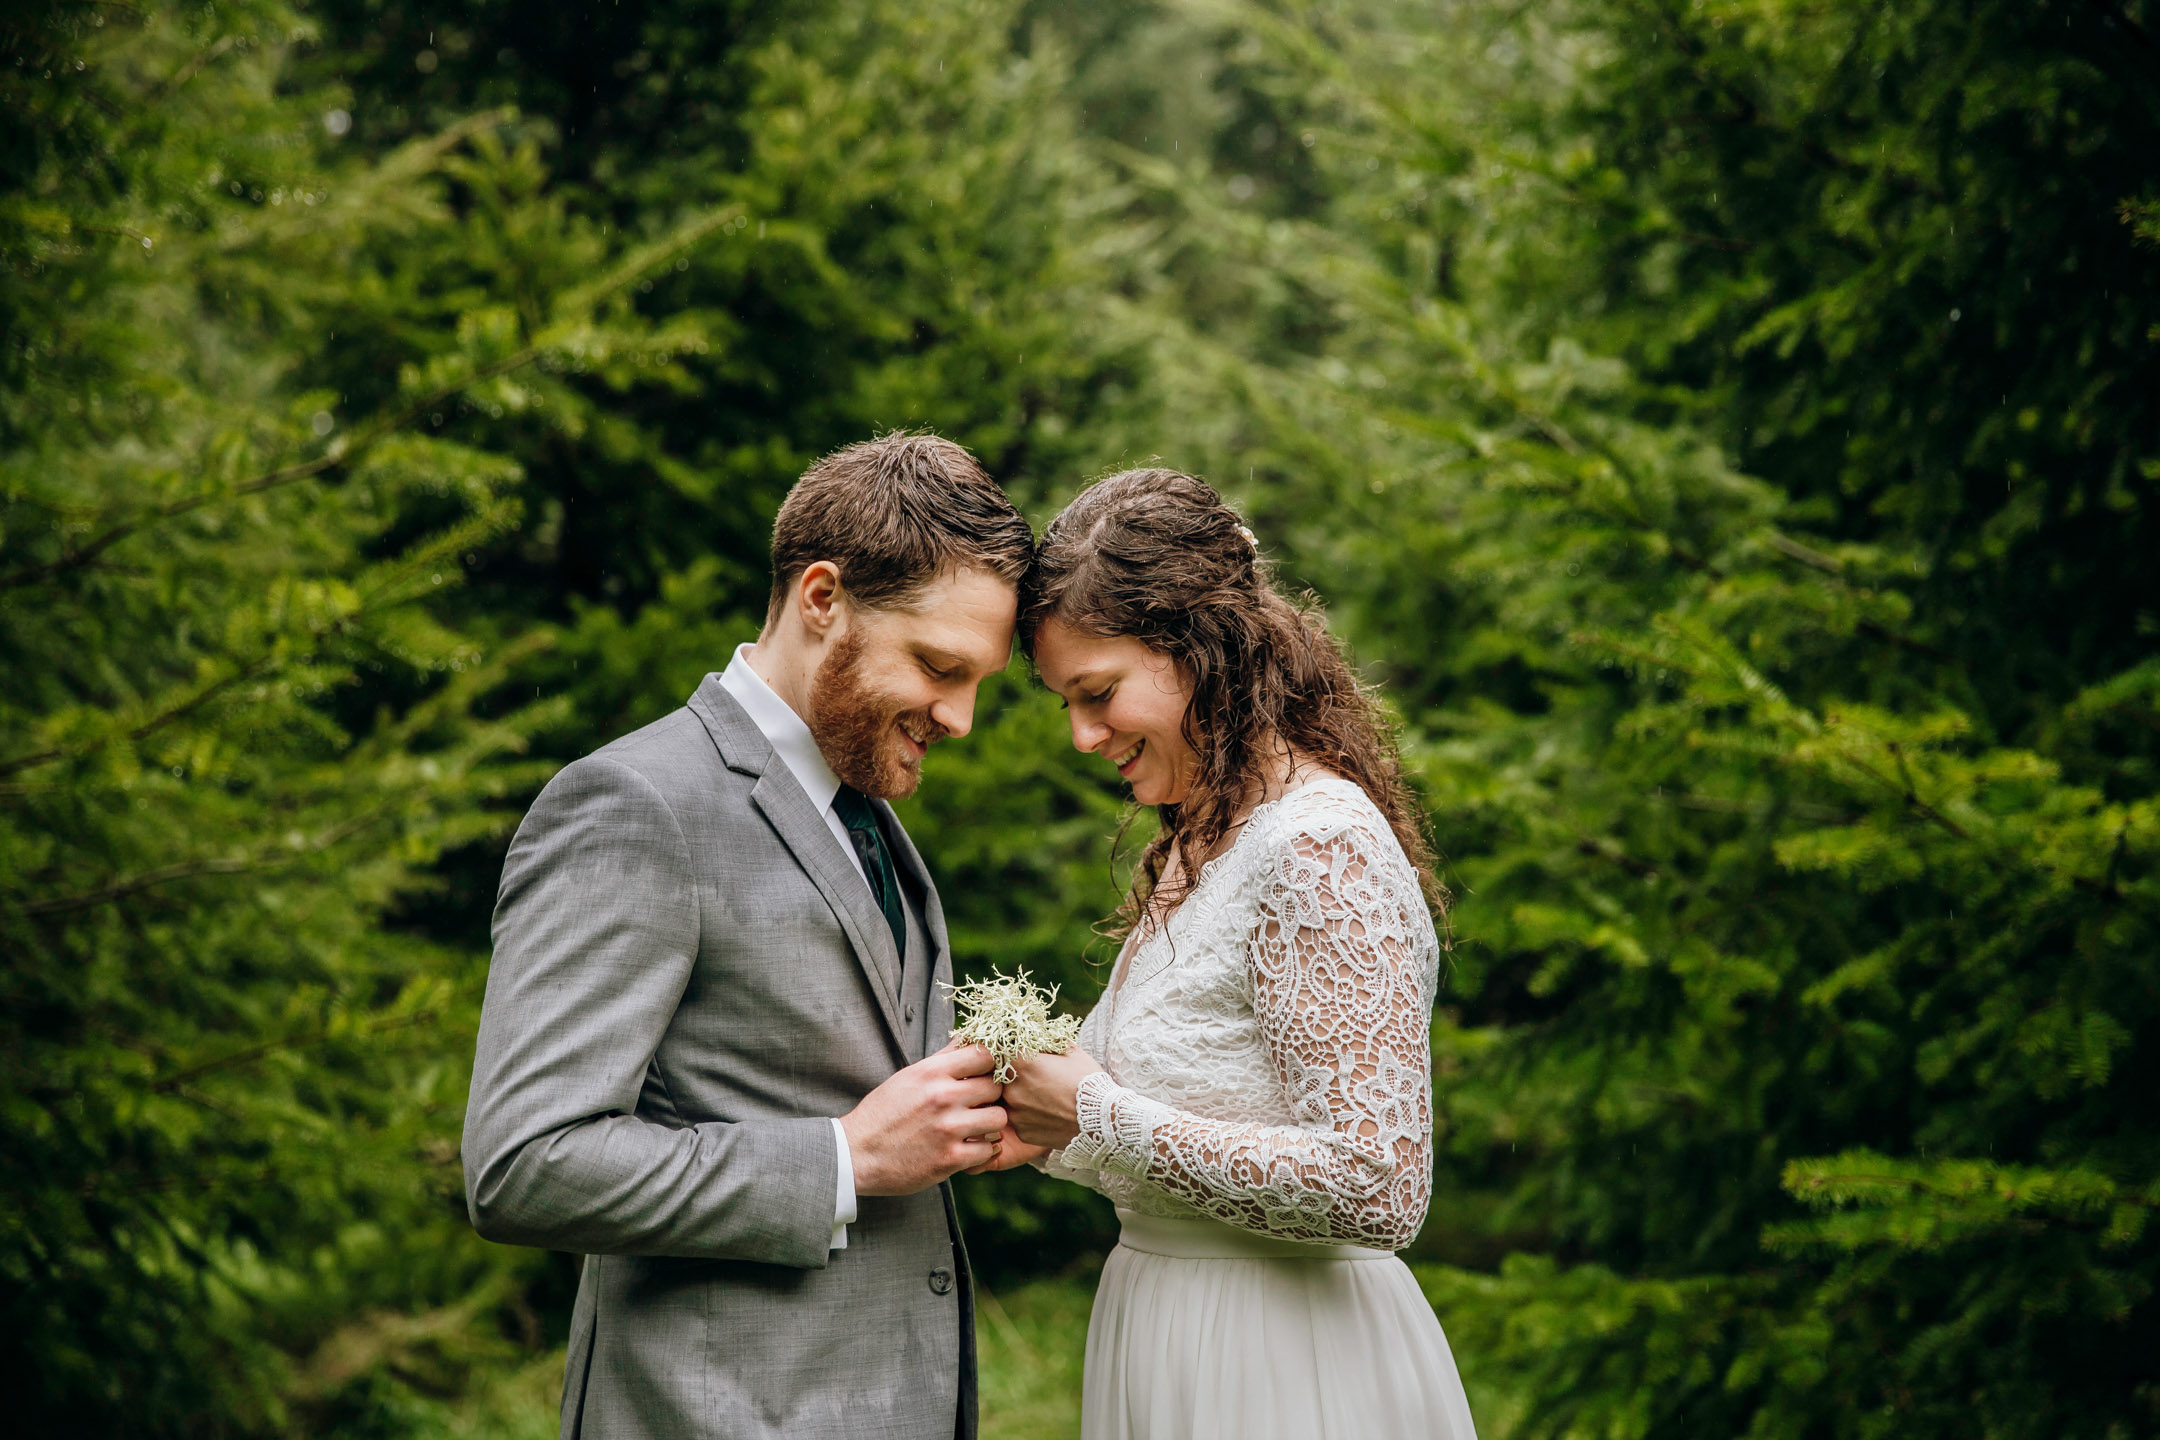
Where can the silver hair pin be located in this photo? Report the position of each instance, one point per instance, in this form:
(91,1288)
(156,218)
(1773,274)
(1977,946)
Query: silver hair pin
(1250,538)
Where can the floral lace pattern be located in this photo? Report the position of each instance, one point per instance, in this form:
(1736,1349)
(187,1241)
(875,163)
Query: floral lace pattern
(1267,1053)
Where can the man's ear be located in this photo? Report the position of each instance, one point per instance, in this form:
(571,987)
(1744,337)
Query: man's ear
(819,600)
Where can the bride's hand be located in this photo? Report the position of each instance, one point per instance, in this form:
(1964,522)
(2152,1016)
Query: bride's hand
(1041,1102)
(1012,1153)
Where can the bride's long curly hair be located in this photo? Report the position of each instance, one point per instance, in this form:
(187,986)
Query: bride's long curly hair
(1157,555)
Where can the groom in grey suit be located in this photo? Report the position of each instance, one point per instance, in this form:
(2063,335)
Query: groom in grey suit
(710,1055)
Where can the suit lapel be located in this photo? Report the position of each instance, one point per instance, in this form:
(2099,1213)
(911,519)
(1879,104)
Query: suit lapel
(780,798)
(909,860)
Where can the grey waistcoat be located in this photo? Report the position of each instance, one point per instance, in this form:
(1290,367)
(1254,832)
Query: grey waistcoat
(918,971)
(689,979)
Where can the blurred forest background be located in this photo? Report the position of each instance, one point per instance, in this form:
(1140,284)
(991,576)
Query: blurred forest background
(1729,428)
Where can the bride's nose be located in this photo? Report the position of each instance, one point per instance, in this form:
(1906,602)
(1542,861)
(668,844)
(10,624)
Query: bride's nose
(1087,734)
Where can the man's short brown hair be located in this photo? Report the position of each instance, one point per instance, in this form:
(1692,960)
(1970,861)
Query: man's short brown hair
(893,514)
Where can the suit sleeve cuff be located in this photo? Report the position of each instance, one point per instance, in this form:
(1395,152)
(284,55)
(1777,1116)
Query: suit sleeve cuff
(843,1189)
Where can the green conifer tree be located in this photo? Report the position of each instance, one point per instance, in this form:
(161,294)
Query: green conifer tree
(920,247)
(1730,428)
(238,729)
(366,452)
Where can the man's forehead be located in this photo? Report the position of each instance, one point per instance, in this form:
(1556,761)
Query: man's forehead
(966,589)
(968,614)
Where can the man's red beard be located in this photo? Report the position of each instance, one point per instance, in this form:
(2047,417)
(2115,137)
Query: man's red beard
(854,725)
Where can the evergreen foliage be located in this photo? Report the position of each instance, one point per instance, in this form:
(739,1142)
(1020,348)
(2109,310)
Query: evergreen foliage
(239,729)
(1729,427)
(925,252)
(1737,435)
(395,465)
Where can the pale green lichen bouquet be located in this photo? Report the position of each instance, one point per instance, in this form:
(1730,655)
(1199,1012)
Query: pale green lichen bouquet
(1009,1016)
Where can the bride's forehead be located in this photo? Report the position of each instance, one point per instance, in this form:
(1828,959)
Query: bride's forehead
(1066,655)
(1065,647)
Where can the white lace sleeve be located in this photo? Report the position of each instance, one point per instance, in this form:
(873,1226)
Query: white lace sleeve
(1343,967)
(1066,1163)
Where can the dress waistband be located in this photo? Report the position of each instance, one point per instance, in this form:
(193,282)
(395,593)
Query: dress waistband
(1213,1240)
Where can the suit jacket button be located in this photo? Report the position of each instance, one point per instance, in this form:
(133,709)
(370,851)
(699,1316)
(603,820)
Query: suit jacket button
(911,1014)
(941,1280)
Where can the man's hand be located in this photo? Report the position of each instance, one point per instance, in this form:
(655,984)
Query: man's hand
(927,1123)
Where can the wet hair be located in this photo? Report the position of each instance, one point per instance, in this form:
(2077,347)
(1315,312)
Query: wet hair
(1156,555)
(893,514)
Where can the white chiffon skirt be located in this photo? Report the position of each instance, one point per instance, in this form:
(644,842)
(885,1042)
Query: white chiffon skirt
(1206,1332)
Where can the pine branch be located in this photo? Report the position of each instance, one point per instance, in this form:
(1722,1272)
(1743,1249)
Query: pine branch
(1604,849)
(150,727)
(342,451)
(299,1040)
(188,869)
(135,884)
(186,73)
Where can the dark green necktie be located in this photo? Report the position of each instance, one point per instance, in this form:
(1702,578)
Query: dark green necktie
(869,841)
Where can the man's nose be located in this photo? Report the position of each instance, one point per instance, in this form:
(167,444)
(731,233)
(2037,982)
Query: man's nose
(956,716)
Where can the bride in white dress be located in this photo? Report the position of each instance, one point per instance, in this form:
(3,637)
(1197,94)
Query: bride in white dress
(1261,1112)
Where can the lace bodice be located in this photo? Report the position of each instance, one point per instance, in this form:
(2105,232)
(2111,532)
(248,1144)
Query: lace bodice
(1267,1052)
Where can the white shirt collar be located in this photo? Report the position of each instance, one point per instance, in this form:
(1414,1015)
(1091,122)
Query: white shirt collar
(786,731)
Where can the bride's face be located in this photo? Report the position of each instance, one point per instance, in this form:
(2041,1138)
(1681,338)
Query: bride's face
(1127,704)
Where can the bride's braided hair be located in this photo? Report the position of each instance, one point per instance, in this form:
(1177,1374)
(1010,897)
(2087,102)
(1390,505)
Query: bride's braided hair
(1157,555)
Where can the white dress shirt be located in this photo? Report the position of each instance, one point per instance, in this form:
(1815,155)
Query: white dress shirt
(791,740)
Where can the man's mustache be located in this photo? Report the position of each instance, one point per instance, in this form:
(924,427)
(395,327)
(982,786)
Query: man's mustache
(919,724)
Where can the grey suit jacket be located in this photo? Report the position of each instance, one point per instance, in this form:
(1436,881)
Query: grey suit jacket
(689,980)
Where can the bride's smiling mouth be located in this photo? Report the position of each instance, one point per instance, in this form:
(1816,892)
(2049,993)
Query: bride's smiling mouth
(1125,760)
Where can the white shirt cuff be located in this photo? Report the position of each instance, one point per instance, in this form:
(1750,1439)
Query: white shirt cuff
(843,1214)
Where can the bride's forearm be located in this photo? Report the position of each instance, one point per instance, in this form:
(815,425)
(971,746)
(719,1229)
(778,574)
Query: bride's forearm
(1279,1179)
